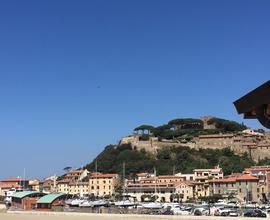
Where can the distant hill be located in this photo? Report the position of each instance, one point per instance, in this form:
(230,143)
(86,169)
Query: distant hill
(172,158)
(182,160)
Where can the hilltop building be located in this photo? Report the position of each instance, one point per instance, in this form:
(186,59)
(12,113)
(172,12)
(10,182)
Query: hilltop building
(249,142)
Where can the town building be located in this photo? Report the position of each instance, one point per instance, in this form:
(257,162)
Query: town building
(48,185)
(12,184)
(243,187)
(23,183)
(263,173)
(63,186)
(103,184)
(5,187)
(79,188)
(34,185)
(25,200)
(165,188)
(51,202)
(201,180)
(76,175)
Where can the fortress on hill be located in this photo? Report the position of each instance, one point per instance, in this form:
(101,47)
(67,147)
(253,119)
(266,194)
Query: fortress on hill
(205,135)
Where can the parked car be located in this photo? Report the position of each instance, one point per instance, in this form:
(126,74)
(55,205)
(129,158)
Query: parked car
(234,213)
(201,211)
(155,212)
(255,213)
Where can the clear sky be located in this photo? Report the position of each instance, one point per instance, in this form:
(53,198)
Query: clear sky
(78,75)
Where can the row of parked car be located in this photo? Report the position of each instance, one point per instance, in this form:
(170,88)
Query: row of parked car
(232,212)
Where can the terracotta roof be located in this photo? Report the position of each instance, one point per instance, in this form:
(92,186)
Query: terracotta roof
(246,177)
(169,177)
(103,175)
(141,174)
(65,181)
(78,183)
(257,169)
(13,180)
(9,185)
(225,180)
(75,171)
(215,135)
(264,145)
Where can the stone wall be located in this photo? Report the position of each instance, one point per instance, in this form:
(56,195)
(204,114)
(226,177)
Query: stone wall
(257,147)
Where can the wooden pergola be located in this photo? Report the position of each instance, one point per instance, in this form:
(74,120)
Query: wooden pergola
(256,104)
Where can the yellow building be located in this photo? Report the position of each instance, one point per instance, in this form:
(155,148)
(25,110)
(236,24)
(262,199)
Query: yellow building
(79,188)
(63,186)
(34,185)
(101,184)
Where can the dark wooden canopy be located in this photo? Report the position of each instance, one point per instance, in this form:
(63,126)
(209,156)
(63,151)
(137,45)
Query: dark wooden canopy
(256,104)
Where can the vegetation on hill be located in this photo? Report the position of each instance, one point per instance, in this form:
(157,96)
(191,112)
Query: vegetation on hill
(188,128)
(167,160)
(226,125)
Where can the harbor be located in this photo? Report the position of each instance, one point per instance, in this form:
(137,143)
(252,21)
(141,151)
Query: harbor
(87,216)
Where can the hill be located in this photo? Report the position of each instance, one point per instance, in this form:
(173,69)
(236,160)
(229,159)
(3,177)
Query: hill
(188,128)
(177,147)
(182,160)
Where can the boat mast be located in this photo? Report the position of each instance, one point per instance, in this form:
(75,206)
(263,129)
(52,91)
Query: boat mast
(124,177)
(155,179)
(97,190)
(23,179)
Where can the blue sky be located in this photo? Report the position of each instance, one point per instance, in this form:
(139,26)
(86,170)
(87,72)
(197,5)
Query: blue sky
(78,75)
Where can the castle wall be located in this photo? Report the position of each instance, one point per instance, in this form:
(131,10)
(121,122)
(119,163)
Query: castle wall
(257,147)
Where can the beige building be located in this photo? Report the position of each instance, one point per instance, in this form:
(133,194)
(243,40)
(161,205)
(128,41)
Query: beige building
(263,174)
(103,184)
(244,187)
(79,188)
(48,185)
(201,180)
(73,187)
(34,185)
(77,175)
(166,188)
(63,186)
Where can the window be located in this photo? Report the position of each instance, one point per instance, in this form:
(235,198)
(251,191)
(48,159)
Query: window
(240,190)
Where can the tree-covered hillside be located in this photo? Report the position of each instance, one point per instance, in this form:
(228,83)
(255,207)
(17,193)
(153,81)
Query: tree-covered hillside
(188,128)
(181,159)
